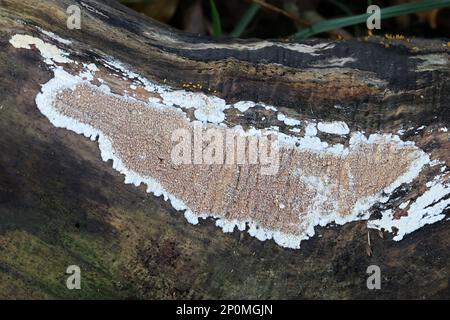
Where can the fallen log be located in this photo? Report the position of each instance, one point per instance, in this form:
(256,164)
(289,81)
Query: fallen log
(362,134)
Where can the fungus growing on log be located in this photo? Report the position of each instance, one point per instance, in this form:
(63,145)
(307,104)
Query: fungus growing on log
(359,176)
(311,186)
(315,182)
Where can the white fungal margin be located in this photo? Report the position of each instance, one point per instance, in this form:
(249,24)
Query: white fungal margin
(49,52)
(54,36)
(207,108)
(335,62)
(426,209)
(335,127)
(287,120)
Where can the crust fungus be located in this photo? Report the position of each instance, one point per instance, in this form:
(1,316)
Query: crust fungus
(315,183)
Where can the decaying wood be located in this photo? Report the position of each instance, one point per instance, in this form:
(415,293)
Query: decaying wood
(61,205)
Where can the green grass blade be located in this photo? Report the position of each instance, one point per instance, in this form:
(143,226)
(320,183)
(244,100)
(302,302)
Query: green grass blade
(245,20)
(386,13)
(217,26)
